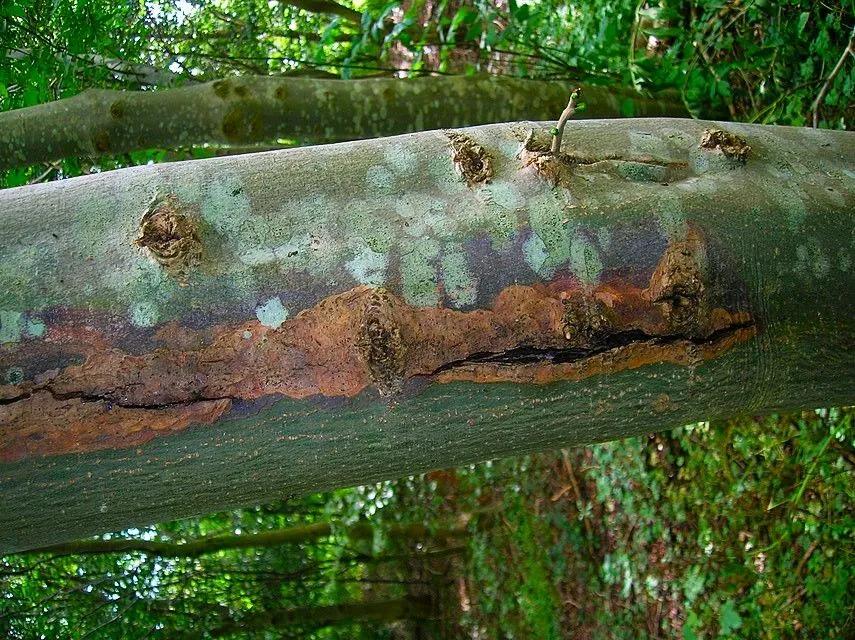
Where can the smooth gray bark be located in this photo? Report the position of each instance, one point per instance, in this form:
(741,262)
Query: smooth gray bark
(244,110)
(182,338)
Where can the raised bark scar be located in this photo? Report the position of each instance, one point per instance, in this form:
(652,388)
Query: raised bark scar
(558,168)
(171,237)
(470,159)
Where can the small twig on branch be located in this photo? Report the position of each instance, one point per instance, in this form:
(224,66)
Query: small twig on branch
(850,49)
(569,110)
(52,166)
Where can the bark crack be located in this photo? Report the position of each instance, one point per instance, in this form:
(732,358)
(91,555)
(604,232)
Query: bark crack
(525,355)
(110,399)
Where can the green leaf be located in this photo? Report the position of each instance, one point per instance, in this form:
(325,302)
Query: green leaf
(728,618)
(12,10)
(689,627)
(803,18)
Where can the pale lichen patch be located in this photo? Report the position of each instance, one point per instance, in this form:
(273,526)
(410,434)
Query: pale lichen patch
(379,178)
(35,327)
(368,267)
(11,324)
(585,261)
(461,287)
(144,314)
(272,313)
(535,254)
(419,274)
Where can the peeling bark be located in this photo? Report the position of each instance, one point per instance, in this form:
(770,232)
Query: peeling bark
(253,109)
(370,309)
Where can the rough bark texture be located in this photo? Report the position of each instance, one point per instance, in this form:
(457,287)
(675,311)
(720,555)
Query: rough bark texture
(255,109)
(195,336)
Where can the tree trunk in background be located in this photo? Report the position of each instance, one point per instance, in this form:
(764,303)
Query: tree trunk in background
(190,337)
(298,534)
(245,110)
(409,608)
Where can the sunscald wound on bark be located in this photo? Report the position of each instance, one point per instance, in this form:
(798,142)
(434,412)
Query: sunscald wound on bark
(362,339)
(45,424)
(171,236)
(470,159)
(731,146)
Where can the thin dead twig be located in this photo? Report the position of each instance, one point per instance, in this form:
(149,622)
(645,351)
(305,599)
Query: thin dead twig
(569,110)
(850,50)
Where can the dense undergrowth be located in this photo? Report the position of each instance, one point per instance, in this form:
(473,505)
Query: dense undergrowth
(742,529)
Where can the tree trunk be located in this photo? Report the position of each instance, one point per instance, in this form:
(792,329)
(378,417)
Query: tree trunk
(262,109)
(298,534)
(386,611)
(196,336)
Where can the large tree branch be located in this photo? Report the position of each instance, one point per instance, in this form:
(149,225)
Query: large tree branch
(257,108)
(188,337)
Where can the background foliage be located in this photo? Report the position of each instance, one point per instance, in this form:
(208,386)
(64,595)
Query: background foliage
(741,529)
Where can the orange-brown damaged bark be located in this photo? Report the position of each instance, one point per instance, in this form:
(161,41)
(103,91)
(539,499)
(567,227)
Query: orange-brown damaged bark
(371,338)
(44,424)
